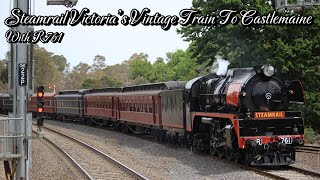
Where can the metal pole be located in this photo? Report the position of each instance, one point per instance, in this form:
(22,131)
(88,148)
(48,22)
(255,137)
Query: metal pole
(22,58)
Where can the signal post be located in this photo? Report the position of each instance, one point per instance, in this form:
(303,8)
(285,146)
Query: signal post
(40,108)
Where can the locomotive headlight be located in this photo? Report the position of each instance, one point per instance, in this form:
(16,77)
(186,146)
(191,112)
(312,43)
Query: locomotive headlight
(268,70)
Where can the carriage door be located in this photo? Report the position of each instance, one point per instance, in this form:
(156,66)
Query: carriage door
(117,103)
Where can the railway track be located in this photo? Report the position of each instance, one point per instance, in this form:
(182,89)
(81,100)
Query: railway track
(73,161)
(281,173)
(286,173)
(309,149)
(93,163)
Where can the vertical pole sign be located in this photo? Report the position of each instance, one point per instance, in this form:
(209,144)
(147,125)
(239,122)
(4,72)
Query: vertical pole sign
(23,74)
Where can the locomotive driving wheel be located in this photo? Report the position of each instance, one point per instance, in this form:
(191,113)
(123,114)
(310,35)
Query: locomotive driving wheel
(215,138)
(229,153)
(220,151)
(213,148)
(236,156)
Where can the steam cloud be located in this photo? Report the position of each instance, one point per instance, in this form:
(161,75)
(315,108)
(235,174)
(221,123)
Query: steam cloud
(220,66)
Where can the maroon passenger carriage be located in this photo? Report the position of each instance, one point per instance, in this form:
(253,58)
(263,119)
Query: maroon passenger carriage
(137,108)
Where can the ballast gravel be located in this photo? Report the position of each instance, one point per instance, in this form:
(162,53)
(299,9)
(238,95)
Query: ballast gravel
(152,159)
(48,163)
(308,161)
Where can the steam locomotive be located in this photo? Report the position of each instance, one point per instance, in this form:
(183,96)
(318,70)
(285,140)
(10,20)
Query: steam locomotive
(241,116)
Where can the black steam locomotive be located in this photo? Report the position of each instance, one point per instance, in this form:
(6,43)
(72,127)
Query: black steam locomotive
(244,114)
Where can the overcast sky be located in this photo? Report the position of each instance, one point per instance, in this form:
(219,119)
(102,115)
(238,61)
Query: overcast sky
(118,43)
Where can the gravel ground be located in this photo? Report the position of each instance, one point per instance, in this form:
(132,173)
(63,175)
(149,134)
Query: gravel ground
(308,161)
(98,167)
(154,160)
(48,163)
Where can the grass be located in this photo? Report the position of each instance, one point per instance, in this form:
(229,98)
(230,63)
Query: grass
(311,137)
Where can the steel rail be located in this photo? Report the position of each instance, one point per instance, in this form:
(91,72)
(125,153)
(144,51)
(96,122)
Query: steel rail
(115,162)
(265,171)
(304,171)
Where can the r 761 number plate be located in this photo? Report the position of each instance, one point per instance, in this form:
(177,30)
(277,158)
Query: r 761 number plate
(286,140)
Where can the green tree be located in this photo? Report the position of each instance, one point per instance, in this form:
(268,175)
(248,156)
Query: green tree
(46,70)
(60,61)
(181,66)
(139,66)
(90,83)
(160,71)
(99,62)
(76,77)
(240,45)
(107,81)
(119,72)
(296,53)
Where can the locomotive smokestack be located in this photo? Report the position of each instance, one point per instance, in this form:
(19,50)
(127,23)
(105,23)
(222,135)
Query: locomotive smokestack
(220,66)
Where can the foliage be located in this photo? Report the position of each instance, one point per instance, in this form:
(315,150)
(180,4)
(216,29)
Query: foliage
(4,71)
(140,67)
(105,81)
(99,62)
(48,68)
(120,72)
(311,110)
(311,136)
(160,71)
(181,66)
(76,77)
(240,45)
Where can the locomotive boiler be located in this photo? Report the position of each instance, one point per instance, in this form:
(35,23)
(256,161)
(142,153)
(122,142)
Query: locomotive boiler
(244,114)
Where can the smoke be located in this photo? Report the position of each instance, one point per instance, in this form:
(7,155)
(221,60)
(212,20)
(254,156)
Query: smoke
(220,66)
